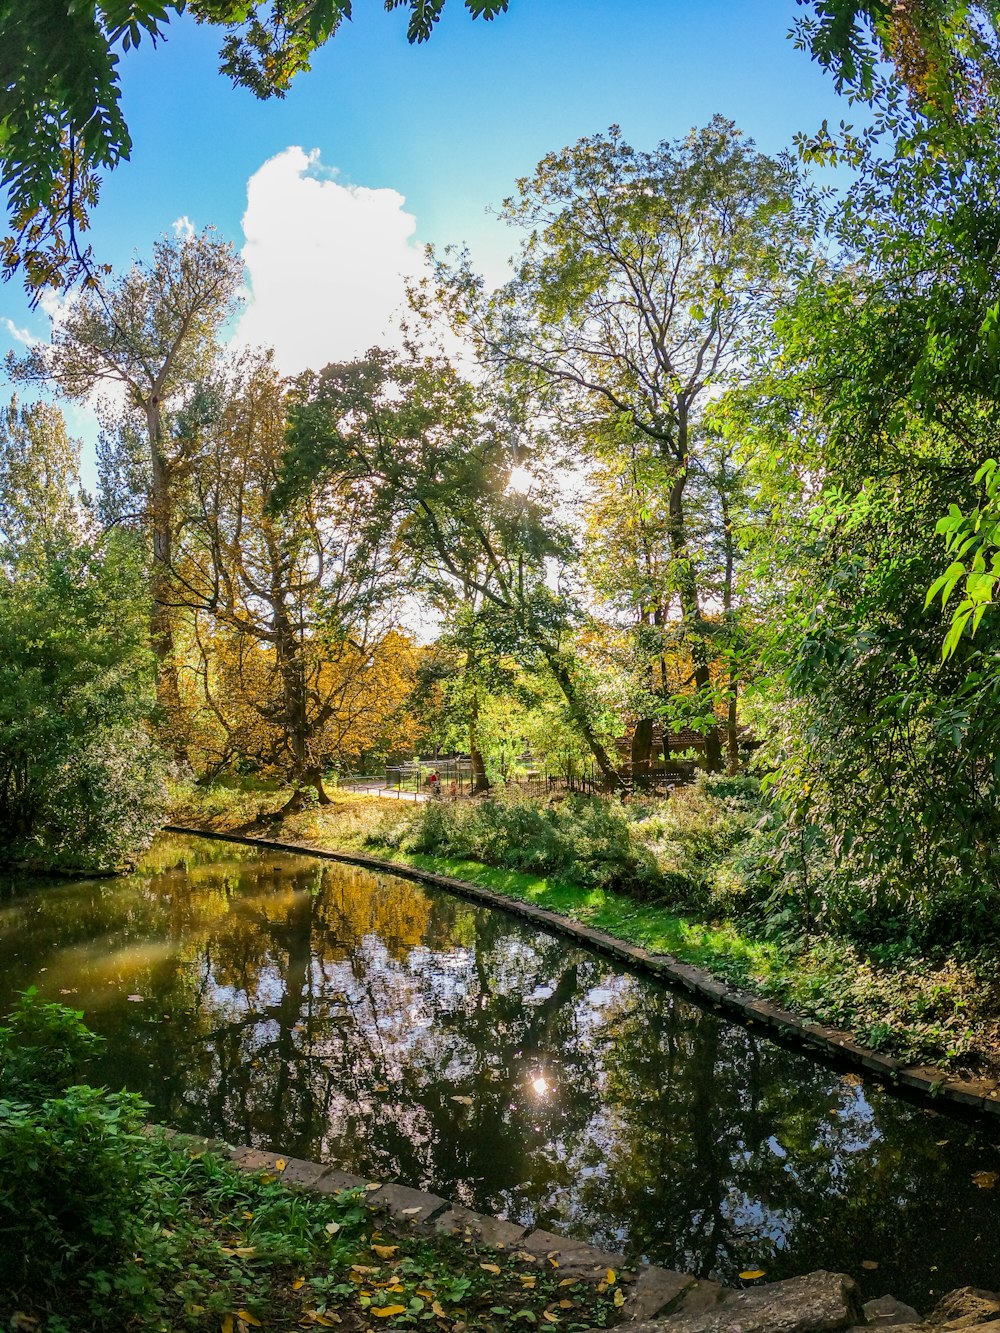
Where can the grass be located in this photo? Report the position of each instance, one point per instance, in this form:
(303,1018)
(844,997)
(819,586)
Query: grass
(943,1011)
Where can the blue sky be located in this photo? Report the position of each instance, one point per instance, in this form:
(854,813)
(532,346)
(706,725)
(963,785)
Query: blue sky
(414,144)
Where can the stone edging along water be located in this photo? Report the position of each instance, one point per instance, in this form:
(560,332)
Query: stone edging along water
(923,1081)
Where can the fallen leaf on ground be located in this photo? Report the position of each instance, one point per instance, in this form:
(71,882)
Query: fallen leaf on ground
(384,1311)
(751,1274)
(385,1251)
(332,1228)
(870,1264)
(985,1179)
(249,1318)
(466,1101)
(619,1297)
(491,1268)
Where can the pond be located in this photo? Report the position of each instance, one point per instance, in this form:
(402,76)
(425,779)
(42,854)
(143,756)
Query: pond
(402,1033)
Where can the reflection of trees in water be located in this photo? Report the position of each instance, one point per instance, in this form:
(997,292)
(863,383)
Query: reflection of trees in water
(337,1014)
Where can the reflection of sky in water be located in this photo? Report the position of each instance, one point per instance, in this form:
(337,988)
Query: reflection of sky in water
(405,1033)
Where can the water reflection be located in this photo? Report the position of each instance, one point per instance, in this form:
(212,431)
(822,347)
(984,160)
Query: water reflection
(286,1002)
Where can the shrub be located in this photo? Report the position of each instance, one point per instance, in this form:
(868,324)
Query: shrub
(43,1049)
(69,1165)
(69,1187)
(586,841)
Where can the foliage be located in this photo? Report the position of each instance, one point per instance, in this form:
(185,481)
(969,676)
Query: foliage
(645,282)
(79,777)
(68,1157)
(586,840)
(44,1049)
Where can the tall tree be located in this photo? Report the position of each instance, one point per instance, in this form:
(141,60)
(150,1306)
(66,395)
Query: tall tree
(79,779)
(148,337)
(290,614)
(439,454)
(646,283)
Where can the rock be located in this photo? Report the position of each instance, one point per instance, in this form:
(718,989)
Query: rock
(405,1204)
(571,1256)
(965,1308)
(655,1290)
(489,1231)
(888,1311)
(819,1303)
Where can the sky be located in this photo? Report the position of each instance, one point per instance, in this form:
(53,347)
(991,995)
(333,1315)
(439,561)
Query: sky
(332,192)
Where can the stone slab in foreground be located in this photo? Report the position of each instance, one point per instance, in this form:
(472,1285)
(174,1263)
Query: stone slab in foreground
(819,1303)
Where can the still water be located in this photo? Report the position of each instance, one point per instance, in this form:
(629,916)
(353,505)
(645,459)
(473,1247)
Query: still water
(399,1032)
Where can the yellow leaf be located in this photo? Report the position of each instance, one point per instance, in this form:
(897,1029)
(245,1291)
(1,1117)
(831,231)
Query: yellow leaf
(385,1251)
(374,1185)
(552,1318)
(750,1274)
(427,1295)
(298,1284)
(491,1268)
(384,1311)
(565,1305)
(248,1318)
(227,1323)
(569,1282)
(985,1179)
(619,1297)
(611,1277)
(436,1307)
(528,1280)
(870,1264)
(361,1268)
(280,1164)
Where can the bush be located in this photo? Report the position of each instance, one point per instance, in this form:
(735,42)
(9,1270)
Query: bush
(69,1188)
(70,1168)
(586,841)
(43,1050)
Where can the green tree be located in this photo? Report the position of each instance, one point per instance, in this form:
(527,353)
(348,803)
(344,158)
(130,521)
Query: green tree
(79,778)
(873,418)
(438,455)
(148,337)
(646,283)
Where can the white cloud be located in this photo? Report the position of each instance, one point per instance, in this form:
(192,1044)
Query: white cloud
(183,228)
(19,335)
(326,263)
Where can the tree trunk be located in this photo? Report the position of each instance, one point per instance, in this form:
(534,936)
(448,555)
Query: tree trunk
(688,591)
(161,621)
(579,715)
(480,778)
(642,745)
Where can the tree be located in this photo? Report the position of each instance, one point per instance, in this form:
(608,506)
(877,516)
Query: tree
(79,778)
(289,619)
(872,419)
(40,492)
(646,285)
(148,337)
(437,455)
